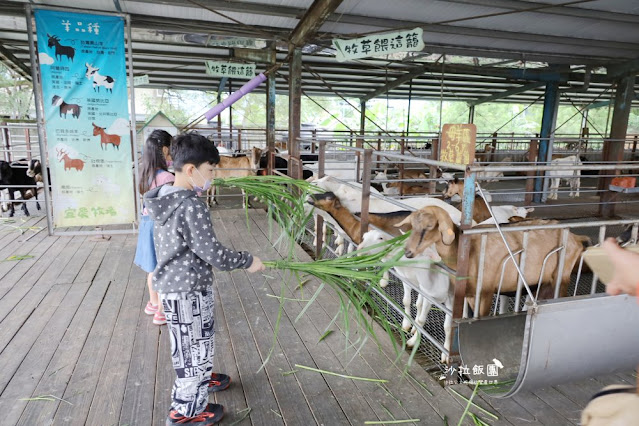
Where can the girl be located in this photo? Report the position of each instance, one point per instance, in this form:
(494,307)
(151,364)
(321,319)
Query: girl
(153,173)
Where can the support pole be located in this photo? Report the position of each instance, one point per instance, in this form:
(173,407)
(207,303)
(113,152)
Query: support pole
(231,118)
(366,191)
(548,122)
(614,147)
(270,121)
(463,247)
(360,141)
(294,111)
(471,114)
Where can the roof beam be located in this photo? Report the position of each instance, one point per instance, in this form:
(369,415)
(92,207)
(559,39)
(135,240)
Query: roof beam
(575,12)
(395,83)
(312,20)
(506,93)
(14,63)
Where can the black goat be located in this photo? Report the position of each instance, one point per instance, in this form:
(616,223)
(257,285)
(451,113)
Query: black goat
(35,171)
(14,174)
(281,165)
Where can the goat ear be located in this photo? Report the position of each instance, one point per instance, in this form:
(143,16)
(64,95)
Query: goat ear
(406,221)
(456,180)
(445,225)
(530,209)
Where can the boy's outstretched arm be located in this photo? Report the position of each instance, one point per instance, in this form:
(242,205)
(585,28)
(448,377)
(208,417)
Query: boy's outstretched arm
(197,231)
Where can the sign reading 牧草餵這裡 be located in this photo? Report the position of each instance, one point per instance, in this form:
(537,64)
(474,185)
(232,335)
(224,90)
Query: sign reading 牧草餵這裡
(86,113)
(379,44)
(230,69)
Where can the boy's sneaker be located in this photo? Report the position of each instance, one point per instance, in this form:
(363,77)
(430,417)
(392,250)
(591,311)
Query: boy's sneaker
(212,414)
(219,382)
(150,309)
(159,318)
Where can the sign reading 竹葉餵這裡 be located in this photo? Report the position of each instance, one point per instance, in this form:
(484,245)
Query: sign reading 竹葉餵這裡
(84,91)
(379,44)
(230,69)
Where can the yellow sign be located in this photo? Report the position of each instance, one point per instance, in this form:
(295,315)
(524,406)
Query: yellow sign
(458,143)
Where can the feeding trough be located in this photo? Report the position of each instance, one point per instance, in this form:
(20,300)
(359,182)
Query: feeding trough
(561,341)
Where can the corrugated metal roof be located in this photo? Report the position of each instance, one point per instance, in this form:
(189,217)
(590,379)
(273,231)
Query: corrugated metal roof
(596,33)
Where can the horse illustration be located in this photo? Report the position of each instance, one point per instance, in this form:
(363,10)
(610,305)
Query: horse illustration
(60,50)
(74,109)
(106,138)
(99,79)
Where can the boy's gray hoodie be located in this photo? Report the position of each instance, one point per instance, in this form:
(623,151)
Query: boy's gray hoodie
(185,244)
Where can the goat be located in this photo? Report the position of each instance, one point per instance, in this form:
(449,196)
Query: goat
(431,225)
(572,176)
(483,156)
(35,171)
(99,79)
(481,214)
(69,163)
(105,138)
(429,280)
(407,188)
(60,50)
(74,109)
(490,176)
(234,167)
(347,220)
(281,165)
(12,175)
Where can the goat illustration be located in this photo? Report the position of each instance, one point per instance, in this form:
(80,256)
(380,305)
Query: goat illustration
(106,138)
(69,163)
(99,79)
(60,50)
(74,109)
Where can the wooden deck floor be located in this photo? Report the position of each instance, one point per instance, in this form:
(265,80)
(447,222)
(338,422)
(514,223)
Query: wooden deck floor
(73,332)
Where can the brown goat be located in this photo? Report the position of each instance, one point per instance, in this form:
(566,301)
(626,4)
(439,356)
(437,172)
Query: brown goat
(432,225)
(235,167)
(350,224)
(480,209)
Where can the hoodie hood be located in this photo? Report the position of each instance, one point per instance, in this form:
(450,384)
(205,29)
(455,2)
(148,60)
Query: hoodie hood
(161,202)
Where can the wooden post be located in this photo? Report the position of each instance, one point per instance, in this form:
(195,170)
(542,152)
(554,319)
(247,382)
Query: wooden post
(379,141)
(270,121)
(614,147)
(239,139)
(463,253)
(491,156)
(320,220)
(530,181)
(294,111)
(432,174)
(402,148)
(7,144)
(634,147)
(366,191)
(231,117)
(314,143)
(27,141)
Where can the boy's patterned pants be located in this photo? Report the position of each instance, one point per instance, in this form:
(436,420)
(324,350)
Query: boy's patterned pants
(190,323)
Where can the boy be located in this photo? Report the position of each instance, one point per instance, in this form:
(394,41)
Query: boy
(186,248)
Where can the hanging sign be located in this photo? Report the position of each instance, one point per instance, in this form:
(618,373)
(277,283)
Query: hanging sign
(141,80)
(458,143)
(379,44)
(86,113)
(232,42)
(230,69)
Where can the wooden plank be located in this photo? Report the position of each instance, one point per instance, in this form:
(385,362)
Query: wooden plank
(165,376)
(92,264)
(8,234)
(15,350)
(76,262)
(233,398)
(12,271)
(59,371)
(443,403)
(580,392)
(291,346)
(81,388)
(560,403)
(256,385)
(34,364)
(542,411)
(24,297)
(309,329)
(111,261)
(137,407)
(109,394)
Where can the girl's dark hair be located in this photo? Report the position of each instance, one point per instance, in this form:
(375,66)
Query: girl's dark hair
(153,157)
(192,148)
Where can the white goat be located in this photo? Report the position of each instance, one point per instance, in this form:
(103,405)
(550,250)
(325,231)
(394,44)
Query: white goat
(571,176)
(490,176)
(430,281)
(503,214)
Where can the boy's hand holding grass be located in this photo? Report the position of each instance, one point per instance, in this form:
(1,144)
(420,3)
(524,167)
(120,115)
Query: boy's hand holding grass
(256,266)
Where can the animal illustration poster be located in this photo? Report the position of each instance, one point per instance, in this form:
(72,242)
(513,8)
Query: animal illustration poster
(86,113)
(458,143)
